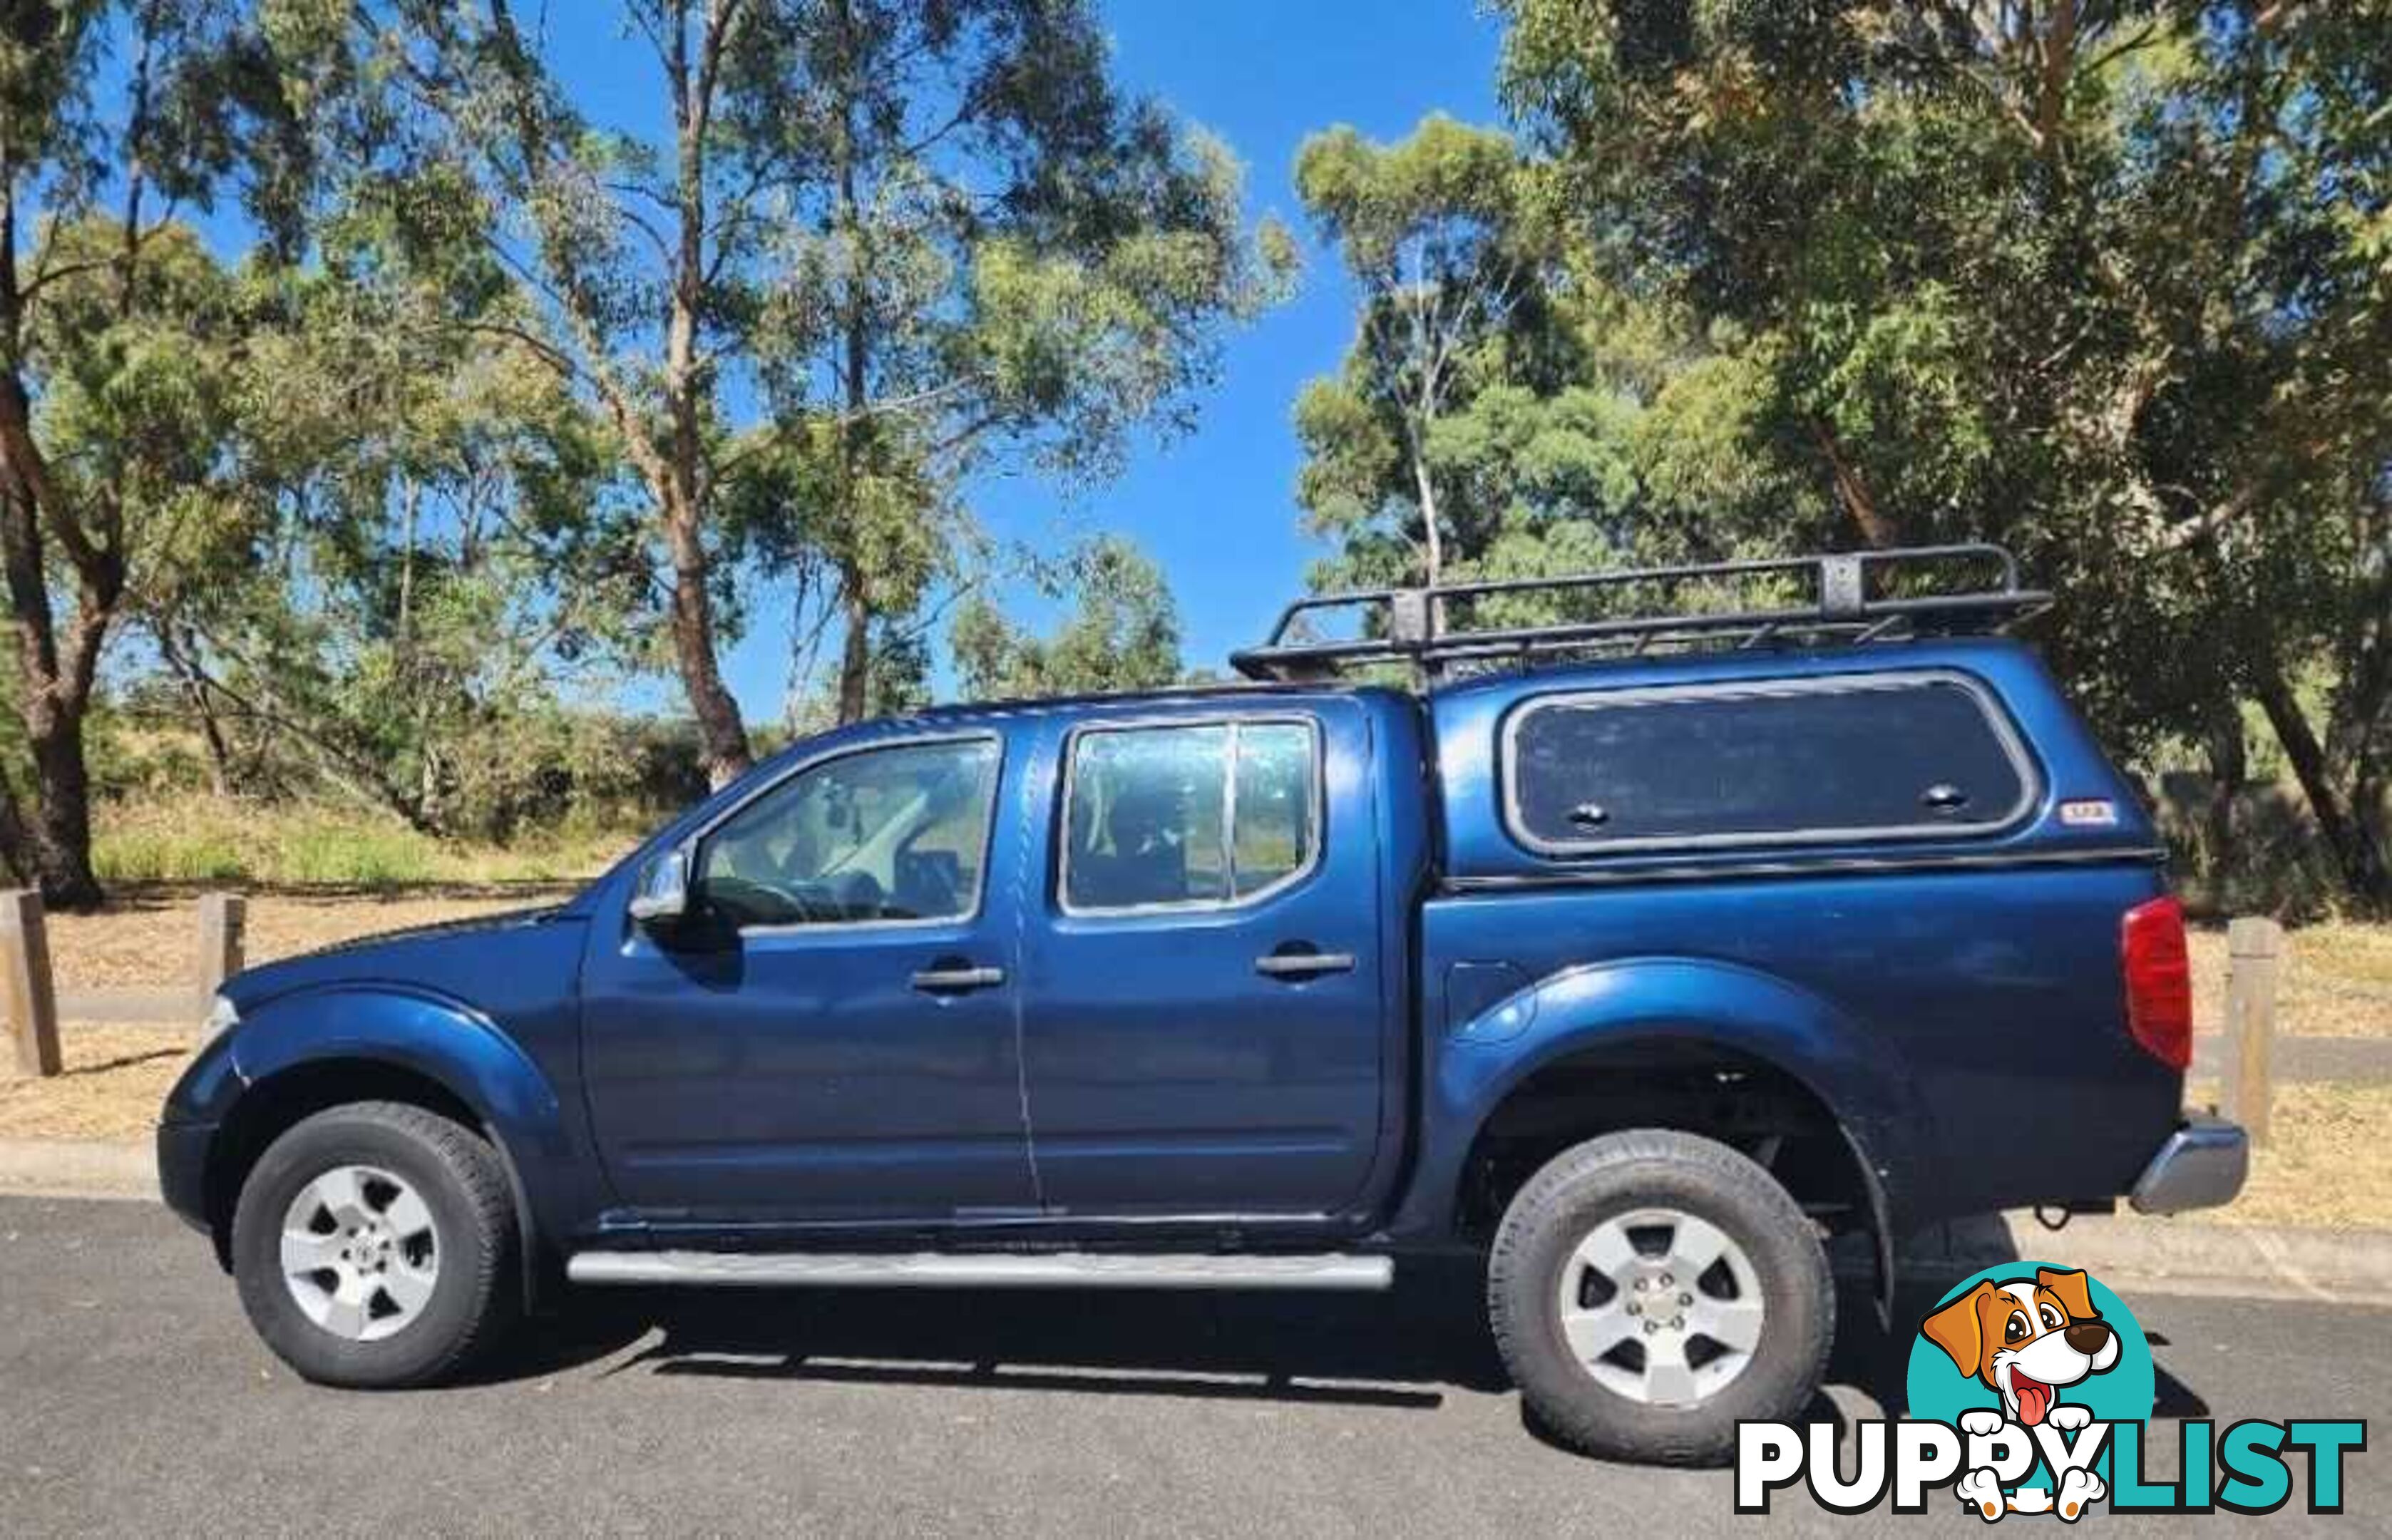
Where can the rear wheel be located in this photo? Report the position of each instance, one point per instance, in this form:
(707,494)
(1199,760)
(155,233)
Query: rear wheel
(1650,1289)
(372,1246)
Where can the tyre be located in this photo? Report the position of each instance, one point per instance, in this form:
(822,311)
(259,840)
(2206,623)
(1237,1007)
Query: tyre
(373,1246)
(1649,1290)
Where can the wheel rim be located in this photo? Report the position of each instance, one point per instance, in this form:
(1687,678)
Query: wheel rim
(360,1254)
(1661,1307)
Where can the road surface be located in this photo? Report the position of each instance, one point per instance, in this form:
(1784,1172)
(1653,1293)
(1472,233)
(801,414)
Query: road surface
(134,1400)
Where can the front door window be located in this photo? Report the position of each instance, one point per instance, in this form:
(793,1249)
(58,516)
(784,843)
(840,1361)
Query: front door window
(897,834)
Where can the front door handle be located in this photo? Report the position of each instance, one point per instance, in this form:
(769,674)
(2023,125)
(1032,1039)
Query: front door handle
(956,981)
(1304,965)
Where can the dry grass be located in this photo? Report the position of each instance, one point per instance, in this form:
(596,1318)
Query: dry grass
(115,1078)
(2327,1165)
(148,940)
(2330,1164)
(2335,981)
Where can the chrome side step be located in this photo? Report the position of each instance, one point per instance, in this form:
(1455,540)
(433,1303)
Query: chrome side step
(981,1270)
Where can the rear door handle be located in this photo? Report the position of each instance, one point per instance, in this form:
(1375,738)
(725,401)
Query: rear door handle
(956,981)
(1304,965)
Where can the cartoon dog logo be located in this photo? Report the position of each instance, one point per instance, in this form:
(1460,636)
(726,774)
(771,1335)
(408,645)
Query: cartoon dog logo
(2026,1339)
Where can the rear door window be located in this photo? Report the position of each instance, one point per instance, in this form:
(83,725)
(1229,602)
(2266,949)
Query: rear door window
(1205,814)
(1862,757)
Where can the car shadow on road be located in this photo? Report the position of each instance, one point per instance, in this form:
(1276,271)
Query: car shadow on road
(1401,1350)
(1877,1355)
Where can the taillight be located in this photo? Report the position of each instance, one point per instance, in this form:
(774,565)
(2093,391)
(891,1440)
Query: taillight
(2159,980)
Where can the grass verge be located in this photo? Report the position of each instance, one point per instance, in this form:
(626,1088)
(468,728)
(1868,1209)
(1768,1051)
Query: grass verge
(207,840)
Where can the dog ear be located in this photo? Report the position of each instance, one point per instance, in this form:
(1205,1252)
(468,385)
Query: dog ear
(2070,1288)
(1959,1331)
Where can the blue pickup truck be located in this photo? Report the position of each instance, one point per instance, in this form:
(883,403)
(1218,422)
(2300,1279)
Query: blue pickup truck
(1639,954)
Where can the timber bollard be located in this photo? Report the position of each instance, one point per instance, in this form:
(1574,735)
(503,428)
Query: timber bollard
(2254,948)
(25,975)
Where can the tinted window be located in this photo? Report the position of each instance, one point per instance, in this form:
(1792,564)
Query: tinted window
(896,833)
(1901,757)
(1148,816)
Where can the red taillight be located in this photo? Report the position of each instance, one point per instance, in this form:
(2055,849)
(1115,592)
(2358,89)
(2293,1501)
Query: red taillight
(2159,980)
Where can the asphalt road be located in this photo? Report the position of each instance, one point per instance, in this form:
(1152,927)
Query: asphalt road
(134,1400)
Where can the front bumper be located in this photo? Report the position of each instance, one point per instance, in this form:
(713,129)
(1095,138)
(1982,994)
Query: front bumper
(2202,1165)
(183,1170)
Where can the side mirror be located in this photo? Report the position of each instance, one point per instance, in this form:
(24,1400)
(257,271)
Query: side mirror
(662,896)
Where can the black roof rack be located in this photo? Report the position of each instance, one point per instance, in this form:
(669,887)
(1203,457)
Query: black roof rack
(1841,600)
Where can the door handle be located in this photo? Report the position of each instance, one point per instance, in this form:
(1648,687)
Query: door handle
(1304,965)
(956,981)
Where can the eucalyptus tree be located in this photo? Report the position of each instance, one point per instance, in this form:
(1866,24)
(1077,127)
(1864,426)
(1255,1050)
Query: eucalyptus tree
(1440,238)
(850,250)
(115,121)
(1000,259)
(2105,281)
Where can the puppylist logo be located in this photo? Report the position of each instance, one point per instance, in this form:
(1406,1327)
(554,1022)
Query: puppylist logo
(2028,1387)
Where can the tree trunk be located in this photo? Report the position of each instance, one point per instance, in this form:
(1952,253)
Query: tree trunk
(174,651)
(56,682)
(61,824)
(2352,837)
(2229,768)
(410,496)
(855,652)
(721,735)
(1432,539)
(855,384)
(1853,488)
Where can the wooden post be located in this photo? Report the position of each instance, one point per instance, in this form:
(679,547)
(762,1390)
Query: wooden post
(222,915)
(32,1000)
(2255,948)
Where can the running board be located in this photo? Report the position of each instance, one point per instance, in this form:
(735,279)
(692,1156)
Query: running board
(980,1269)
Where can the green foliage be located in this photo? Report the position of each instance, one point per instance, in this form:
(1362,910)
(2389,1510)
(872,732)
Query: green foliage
(1123,633)
(114,331)
(2100,282)
(413,539)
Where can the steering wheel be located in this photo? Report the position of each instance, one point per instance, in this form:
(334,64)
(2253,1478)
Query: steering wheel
(747,902)
(856,894)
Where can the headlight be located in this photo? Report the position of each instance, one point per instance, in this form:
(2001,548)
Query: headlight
(222,1017)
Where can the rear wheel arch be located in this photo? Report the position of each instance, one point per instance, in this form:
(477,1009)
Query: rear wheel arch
(1697,1083)
(277,1103)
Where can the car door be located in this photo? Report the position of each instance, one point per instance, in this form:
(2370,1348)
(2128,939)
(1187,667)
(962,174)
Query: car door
(1202,1029)
(829,1037)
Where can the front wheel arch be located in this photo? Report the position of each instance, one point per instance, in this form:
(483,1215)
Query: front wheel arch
(273,1106)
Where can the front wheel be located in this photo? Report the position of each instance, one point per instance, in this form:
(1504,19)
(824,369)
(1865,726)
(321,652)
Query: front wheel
(372,1244)
(1650,1289)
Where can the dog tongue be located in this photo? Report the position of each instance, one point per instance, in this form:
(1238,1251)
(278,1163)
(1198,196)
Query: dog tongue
(2034,1398)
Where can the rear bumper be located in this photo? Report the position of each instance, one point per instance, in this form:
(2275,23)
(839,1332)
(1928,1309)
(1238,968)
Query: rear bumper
(2202,1165)
(183,1170)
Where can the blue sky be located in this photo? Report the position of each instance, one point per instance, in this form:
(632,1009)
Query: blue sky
(1216,508)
